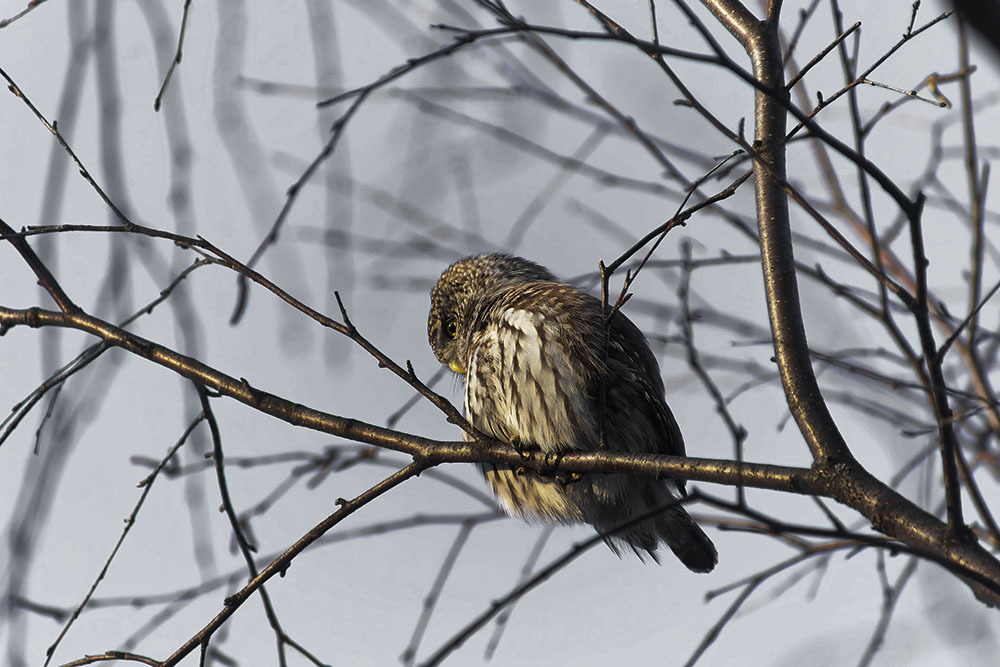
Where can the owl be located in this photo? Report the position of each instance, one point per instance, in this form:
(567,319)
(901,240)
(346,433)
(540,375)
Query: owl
(537,355)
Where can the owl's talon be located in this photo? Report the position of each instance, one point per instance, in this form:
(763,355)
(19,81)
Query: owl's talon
(521,450)
(552,460)
(568,478)
(520,471)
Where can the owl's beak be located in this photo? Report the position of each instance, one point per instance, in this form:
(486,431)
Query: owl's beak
(457,367)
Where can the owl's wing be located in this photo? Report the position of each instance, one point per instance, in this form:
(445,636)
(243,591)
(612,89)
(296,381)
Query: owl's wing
(634,395)
(527,382)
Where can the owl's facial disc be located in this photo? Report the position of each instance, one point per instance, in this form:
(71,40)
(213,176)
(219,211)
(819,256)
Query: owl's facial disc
(461,290)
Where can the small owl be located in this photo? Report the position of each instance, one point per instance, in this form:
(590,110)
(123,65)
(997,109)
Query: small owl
(536,355)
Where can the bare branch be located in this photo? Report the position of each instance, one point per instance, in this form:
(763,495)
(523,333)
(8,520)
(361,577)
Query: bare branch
(177,56)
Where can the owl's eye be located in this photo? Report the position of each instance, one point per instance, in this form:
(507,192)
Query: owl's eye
(451,328)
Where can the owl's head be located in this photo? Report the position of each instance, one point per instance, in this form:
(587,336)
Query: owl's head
(460,294)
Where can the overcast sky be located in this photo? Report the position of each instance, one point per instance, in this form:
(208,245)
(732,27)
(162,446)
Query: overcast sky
(411,187)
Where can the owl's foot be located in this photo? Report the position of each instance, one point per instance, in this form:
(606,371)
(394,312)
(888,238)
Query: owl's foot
(520,448)
(567,478)
(552,463)
(563,478)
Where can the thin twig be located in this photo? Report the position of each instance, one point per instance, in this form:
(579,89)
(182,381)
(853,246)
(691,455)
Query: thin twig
(430,601)
(146,485)
(281,563)
(736,431)
(32,4)
(904,91)
(822,54)
(537,579)
(526,570)
(245,548)
(890,596)
(177,56)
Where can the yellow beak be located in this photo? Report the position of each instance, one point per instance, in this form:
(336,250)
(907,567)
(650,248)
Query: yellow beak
(457,367)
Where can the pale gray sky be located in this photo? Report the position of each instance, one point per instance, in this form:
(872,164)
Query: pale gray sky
(356,602)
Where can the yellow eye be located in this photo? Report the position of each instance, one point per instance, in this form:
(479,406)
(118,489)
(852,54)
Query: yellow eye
(451,328)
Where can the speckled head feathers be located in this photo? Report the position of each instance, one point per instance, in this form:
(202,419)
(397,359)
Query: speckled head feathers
(466,285)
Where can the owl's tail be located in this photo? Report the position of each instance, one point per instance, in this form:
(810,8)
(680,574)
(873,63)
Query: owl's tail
(675,527)
(686,539)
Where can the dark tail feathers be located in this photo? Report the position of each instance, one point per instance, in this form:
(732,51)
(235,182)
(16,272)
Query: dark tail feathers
(675,527)
(687,540)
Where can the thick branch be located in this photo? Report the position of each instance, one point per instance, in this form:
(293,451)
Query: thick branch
(848,481)
(428,452)
(790,346)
